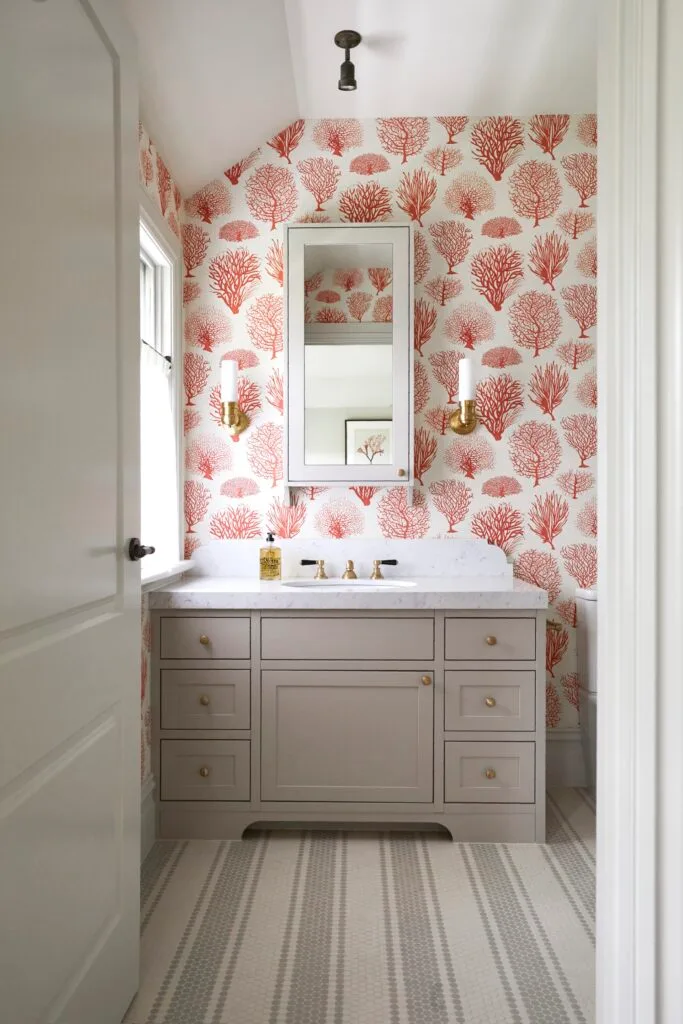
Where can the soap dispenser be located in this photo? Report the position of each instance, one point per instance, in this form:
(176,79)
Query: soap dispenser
(270,560)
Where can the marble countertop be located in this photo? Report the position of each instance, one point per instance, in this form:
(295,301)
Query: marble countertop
(429,593)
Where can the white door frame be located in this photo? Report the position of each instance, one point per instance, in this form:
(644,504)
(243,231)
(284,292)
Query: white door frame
(640,499)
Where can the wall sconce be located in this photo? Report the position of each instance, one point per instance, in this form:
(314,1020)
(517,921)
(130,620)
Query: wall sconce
(232,416)
(346,40)
(464,419)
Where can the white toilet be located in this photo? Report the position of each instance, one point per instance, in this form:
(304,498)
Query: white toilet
(587,655)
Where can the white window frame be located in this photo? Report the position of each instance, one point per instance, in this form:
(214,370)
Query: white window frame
(165,247)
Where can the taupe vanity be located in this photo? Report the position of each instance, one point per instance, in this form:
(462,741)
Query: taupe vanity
(265,713)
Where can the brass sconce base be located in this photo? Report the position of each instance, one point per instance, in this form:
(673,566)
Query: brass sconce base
(233,418)
(464,419)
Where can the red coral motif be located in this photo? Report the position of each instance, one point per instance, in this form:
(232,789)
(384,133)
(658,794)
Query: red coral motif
(535,450)
(501,525)
(571,686)
(575,483)
(383,310)
(497,142)
(197,498)
(358,303)
(191,419)
(535,190)
(209,202)
(365,203)
(439,418)
(469,325)
(319,176)
(421,258)
(573,353)
(286,519)
(540,569)
(327,295)
(452,498)
(424,452)
(275,391)
(499,400)
(233,276)
(264,452)
(581,172)
(422,387)
(365,494)
(369,163)
(548,257)
(587,519)
(403,136)
(415,193)
(501,486)
(236,170)
(496,273)
(191,291)
(452,241)
(469,455)
(443,289)
(446,369)
(581,562)
(207,455)
(581,432)
(501,357)
(535,321)
(239,487)
(548,386)
(548,131)
(244,358)
(548,516)
(206,327)
(380,278)
(397,518)
(587,390)
(567,611)
(469,194)
(587,131)
(275,262)
(587,260)
(501,227)
(424,321)
(312,283)
(552,707)
(442,159)
(348,279)
(556,643)
(196,371)
(271,194)
(238,231)
(453,126)
(339,519)
(581,302)
(575,222)
(264,323)
(329,315)
(235,523)
(288,139)
(338,134)
(195,242)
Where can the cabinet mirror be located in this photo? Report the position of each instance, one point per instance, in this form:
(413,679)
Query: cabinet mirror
(349,354)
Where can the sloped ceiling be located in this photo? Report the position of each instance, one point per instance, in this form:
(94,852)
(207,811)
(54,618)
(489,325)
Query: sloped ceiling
(217,77)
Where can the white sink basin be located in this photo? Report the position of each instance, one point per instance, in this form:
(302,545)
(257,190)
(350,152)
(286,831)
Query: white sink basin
(349,584)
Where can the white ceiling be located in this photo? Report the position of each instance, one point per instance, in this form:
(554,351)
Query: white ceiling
(218,77)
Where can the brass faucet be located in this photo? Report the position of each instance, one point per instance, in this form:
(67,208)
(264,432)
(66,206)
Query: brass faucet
(350,573)
(320,573)
(376,573)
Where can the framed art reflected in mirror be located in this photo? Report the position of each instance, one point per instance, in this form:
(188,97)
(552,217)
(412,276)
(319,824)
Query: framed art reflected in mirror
(368,442)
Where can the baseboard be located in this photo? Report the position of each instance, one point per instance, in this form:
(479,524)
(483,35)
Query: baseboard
(148,817)
(565,765)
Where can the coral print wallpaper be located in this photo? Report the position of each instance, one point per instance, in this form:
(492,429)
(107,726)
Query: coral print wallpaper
(159,185)
(505,272)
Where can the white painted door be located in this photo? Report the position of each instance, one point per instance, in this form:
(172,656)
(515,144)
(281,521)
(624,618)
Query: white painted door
(69,465)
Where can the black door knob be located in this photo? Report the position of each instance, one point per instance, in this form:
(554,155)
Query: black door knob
(136,550)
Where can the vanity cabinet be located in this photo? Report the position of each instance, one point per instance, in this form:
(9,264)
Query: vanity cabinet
(380,717)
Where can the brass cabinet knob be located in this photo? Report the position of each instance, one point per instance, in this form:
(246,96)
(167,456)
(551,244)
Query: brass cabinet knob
(203,639)
(491,641)
(400,472)
(490,773)
(205,700)
(426,680)
(204,772)
(490,702)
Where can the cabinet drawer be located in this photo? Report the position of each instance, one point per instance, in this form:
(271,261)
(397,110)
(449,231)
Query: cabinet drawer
(205,698)
(205,637)
(489,700)
(205,769)
(490,639)
(347,639)
(362,736)
(489,773)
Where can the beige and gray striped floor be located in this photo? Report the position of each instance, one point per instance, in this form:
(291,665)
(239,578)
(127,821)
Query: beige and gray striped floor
(367,928)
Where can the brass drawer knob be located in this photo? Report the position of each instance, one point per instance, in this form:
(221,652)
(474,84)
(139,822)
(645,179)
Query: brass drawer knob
(203,639)
(491,641)
(400,472)
(490,773)
(204,700)
(426,680)
(204,772)
(490,702)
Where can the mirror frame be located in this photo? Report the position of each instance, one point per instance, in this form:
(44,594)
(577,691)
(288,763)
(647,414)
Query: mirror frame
(400,237)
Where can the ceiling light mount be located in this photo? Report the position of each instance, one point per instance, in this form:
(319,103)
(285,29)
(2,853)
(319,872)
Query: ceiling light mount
(347,39)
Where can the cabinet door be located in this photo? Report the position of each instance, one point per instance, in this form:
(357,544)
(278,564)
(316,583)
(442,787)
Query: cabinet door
(361,736)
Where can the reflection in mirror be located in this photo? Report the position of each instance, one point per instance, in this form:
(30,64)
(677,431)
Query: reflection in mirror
(348,354)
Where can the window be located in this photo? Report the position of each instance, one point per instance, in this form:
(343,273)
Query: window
(159,436)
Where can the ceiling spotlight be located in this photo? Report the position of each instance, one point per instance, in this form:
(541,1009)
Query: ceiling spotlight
(347,39)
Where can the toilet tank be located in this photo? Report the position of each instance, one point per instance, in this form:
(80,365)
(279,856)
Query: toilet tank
(587,638)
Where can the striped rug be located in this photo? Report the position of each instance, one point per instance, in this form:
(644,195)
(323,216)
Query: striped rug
(372,928)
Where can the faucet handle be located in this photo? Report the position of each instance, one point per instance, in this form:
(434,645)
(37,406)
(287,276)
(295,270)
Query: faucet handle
(320,573)
(376,573)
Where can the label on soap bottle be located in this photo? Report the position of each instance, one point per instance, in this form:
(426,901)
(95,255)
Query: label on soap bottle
(270,564)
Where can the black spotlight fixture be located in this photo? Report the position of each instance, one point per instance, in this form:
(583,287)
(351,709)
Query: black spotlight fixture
(347,39)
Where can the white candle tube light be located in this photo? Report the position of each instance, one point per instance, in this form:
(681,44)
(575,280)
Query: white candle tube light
(466,378)
(228,381)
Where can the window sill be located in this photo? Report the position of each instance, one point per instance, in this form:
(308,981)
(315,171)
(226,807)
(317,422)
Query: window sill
(172,572)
